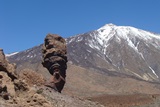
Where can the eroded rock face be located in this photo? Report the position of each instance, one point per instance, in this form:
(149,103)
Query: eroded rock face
(27,89)
(9,82)
(55,60)
(7,86)
(15,91)
(31,77)
(7,76)
(3,62)
(6,67)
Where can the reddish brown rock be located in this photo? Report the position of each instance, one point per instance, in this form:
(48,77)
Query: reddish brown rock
(7,76)
(5,66)
(55,60)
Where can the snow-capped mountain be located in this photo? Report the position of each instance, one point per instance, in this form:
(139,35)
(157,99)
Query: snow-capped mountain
(114,50)
(122,49)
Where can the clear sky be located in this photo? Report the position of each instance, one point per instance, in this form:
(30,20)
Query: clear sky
(25,23)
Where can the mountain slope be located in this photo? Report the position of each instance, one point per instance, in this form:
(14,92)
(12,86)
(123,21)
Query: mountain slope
(123,49)
(114,50)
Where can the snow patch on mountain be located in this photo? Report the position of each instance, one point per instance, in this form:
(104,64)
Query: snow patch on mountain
(11,54)
(153,72)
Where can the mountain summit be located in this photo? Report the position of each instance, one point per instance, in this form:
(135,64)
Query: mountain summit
(124,49)
(113,50)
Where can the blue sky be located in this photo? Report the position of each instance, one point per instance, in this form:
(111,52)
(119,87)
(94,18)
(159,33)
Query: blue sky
(25,23)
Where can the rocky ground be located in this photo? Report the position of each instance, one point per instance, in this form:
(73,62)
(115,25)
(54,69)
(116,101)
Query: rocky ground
(27,90)
(132,100)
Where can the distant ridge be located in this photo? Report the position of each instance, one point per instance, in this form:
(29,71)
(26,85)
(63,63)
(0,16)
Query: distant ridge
(111,49)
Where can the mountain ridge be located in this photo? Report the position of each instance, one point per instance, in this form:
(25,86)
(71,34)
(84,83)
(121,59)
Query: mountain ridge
(110,49)
(96,41)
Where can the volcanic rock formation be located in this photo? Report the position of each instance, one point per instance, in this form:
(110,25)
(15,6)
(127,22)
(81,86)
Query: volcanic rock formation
(54,59)
(26,90)
(15,92)
(7,75)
